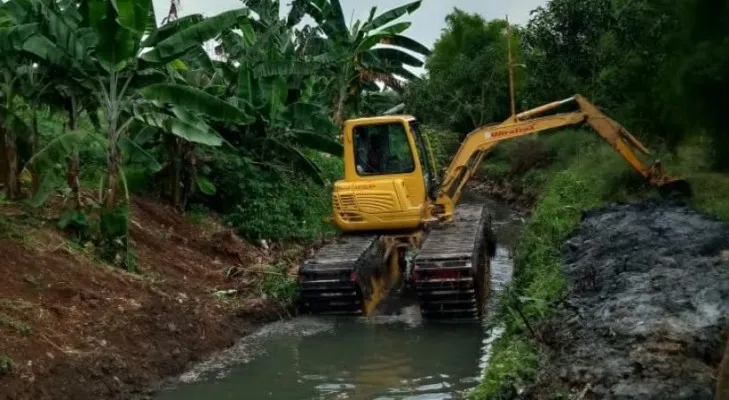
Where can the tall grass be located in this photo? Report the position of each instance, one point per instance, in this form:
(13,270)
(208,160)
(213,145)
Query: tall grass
(279,285)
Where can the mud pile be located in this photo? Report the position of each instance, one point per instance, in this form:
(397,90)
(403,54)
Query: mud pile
(76,329)
(649,284)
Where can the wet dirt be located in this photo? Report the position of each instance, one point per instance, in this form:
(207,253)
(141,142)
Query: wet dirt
(649,299)
(77,328)
(505,190)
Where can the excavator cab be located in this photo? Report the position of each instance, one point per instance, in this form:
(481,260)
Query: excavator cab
(388,178)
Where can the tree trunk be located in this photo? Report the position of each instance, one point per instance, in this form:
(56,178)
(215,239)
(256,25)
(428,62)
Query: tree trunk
(72,178)
(339,107)
(112,176)
(176,183)
(3,158)
(35,172)
(73,166)
(190,171)
(11,175)
(340,101)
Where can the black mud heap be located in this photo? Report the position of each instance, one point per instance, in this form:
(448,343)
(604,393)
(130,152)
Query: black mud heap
(650,286)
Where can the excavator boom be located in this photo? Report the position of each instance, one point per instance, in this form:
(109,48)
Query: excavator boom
(479,142)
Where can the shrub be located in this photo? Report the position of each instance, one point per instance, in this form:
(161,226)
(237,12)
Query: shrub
(270,202)
(6,365)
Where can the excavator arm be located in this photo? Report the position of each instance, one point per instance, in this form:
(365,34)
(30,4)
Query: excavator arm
(479,142)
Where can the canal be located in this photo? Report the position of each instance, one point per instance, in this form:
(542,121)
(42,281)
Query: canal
(381,357)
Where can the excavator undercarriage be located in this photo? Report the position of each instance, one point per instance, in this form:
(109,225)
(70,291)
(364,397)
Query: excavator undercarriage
(452,267)
(446,267)
(335,280)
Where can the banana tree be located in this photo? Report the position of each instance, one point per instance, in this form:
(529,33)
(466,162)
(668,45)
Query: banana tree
(273,85)
(56,47)
(116,51)
(275,131)
(120,27)
(15,68)
(359,60)
(66,98)
(16,134)
(176,131)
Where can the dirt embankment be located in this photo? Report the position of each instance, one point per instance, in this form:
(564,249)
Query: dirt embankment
(73,328)
(649,288)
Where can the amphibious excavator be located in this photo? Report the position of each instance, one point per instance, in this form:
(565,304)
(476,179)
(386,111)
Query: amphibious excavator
(397,220)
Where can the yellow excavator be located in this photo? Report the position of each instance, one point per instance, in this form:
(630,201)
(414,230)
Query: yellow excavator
(397,221)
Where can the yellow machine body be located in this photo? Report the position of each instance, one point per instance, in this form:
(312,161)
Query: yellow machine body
(394,198)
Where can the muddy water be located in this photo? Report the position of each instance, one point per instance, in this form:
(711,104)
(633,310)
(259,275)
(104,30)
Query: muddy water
(382,357)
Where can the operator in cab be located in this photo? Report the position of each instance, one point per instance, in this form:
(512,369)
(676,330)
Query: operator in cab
(370,151)
(382,150)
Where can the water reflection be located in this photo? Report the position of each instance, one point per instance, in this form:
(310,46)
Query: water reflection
(353,361)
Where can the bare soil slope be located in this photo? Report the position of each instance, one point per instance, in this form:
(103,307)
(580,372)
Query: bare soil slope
(650,286)
(75,328)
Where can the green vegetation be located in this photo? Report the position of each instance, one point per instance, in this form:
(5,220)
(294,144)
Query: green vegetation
(99,103)
(273,202)
(467,83)
(442,144)
(10,323)
(280,286)
(6,365)
(693,160)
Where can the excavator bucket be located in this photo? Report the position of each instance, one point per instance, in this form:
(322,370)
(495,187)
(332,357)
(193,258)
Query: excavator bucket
(676,188)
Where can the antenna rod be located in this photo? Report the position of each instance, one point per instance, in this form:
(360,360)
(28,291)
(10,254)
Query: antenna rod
(511,69)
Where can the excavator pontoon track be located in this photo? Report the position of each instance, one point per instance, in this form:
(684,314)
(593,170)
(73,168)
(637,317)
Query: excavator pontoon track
(330,282)
(451,270)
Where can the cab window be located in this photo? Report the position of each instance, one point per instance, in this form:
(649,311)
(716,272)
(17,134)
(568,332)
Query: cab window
(382,149)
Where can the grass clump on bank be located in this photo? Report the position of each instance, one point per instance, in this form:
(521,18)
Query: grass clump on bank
(583,173)
(709,187)
(6,365)
(279,285)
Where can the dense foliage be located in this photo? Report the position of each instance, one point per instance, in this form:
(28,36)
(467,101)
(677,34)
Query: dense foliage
(96,95)
(467,83)
(659,67)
